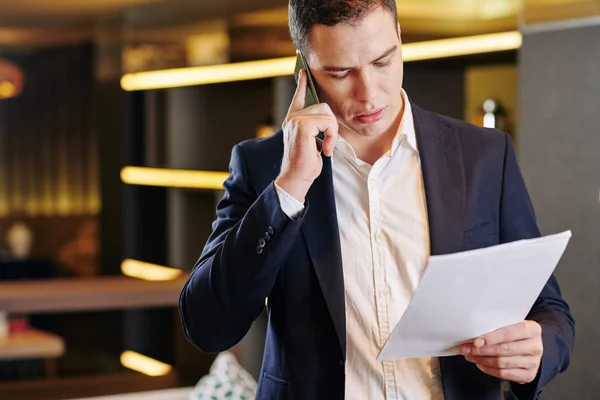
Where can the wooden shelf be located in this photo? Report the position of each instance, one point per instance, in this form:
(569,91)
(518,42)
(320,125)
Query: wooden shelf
(31,344)
(88,294)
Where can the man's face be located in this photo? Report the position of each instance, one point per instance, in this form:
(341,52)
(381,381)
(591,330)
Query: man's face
(358,70)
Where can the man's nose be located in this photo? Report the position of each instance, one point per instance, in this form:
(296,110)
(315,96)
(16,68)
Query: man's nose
(366,88)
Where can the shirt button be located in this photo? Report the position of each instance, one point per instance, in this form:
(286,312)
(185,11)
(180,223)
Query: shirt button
(379,235)
(385,292)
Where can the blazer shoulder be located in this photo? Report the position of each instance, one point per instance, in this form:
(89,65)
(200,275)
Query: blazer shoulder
(469,131)
(262,158)
(262,148)
(476,140)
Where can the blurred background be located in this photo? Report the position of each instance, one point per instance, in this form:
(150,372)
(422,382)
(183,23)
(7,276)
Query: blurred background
(117,118)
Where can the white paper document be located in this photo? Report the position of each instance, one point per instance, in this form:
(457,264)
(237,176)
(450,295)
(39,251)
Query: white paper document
(464,295)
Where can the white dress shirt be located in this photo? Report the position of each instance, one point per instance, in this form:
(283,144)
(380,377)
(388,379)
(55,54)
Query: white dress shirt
(384,239)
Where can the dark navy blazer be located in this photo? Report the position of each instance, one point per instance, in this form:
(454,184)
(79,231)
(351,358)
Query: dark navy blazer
(476,197)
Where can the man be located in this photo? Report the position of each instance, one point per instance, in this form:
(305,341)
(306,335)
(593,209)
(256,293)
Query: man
(338,241)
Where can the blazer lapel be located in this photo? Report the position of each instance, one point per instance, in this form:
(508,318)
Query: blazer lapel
(321,232)
(444,181)
(445,192)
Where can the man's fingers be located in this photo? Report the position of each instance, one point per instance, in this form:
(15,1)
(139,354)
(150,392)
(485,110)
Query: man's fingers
(512,353)
(331,138)
(527,347)
(331,135)
(520,331)
(299,99)
(515,375)
(319,116)
(522,362)
(329,144)
(316,123)
(503,335)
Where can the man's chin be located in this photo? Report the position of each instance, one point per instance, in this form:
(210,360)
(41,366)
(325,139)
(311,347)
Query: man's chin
(370,130)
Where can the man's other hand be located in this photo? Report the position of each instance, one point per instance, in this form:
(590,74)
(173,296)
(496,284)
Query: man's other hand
(513,353)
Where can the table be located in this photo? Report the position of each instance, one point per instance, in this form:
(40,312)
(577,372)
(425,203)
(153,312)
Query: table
(88,294)
(33,344)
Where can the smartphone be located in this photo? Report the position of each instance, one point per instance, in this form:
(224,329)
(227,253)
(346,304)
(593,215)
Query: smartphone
(311,92)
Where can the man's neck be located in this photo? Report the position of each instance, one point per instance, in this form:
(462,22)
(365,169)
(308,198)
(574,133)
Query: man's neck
(371,148)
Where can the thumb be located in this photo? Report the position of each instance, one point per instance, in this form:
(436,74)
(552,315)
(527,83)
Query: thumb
(299,99)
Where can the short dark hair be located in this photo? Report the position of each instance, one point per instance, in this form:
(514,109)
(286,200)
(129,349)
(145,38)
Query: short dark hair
(303,14)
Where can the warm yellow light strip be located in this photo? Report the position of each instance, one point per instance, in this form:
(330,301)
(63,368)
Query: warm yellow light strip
(462,46)
(420,51)
(145,365)
(147,271)
(176,178)
(209,74)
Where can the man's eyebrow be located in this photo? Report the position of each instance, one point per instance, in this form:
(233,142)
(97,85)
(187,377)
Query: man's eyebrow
(330,68)
(387,53)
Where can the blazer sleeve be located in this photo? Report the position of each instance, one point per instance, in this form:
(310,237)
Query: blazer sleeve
(517,221)
(239,265)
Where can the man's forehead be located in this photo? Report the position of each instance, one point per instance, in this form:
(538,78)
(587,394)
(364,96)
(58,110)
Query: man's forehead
(367,38)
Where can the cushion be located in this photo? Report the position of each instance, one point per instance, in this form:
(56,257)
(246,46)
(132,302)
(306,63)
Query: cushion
(227,380)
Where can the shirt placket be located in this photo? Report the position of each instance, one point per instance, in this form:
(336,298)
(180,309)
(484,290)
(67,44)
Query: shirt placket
(381,289)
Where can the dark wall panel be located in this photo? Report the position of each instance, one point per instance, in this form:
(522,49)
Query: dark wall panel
(559,93)
(438,88)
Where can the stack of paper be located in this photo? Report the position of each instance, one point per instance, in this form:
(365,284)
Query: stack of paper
(464,295)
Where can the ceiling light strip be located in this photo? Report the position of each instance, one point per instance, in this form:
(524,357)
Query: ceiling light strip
(143,364)
(147,271)
(463,46)
(174,178)
(420,51)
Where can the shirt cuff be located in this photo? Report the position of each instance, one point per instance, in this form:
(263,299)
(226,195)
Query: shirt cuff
(289,205)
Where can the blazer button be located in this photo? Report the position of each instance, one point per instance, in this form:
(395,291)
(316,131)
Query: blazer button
(259,250)
(262,242)
(270,231)
(267,236)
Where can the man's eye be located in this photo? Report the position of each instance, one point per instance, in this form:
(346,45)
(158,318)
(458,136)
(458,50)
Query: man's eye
(340,77)
(384,64)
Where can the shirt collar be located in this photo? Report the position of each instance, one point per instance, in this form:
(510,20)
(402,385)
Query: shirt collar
(406,128)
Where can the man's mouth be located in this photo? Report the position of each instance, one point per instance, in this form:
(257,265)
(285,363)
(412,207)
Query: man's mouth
(371,116)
